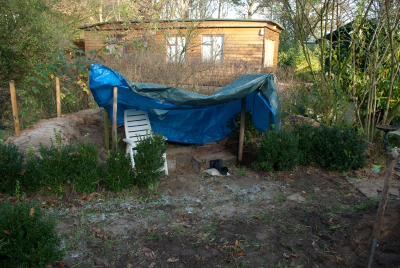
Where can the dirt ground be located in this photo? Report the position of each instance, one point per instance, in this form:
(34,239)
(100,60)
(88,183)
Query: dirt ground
(306,217)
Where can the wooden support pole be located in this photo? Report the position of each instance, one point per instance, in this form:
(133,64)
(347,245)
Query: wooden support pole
(14,107)
(114,123)
(392,157)
(106,130)
(241,131)
(58,97)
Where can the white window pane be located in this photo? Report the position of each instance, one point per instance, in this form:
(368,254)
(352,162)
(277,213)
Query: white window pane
(181,41)
(217,48)
(171,53)
(269,53)
(207,40)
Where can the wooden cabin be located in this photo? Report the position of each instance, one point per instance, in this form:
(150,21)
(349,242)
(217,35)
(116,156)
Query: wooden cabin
(200,56)
(215,40)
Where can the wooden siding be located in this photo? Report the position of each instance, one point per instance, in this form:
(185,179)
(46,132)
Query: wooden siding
(242,39)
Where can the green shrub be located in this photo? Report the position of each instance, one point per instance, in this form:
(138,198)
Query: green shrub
(118,173)
(28,237)
(61,164)
(10,167)
(31,180)
(305,133)
(278,150)
(149,160)
(85,161)
(56,167)
(338,148)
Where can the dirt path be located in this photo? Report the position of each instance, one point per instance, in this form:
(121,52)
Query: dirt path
(303,218)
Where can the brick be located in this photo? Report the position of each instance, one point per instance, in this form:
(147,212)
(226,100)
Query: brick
(183,161)
(196,164)
(210,148)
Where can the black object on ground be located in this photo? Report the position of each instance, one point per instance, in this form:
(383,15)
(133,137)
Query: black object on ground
(217,164)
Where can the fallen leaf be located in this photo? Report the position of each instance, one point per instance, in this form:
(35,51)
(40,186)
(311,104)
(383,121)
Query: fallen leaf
(240,253)
(6,232)
(237,244)
(31,211)
(146,249)
(172,260)
(349,194)
(84,197)
(73,209)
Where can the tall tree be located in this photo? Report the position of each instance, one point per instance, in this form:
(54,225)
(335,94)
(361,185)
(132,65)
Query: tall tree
(247,8)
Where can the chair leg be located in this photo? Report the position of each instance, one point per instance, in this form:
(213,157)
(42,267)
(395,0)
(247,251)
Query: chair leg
(129,151)
(165,164)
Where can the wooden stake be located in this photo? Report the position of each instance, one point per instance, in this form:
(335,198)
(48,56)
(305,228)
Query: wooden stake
(14,107)
(114,123)
(241,131)
(58,97)
(106,130)
(392,157)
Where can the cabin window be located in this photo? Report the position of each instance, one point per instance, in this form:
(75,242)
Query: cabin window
(176,49)
(269,53)
(212,48)
(115,45)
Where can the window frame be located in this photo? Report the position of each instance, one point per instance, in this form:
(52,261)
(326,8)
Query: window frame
(216,57)
(175,48)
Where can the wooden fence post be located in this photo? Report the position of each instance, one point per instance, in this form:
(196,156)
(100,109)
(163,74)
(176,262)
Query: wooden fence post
(58,97)
(114,123)
(14,107)
(106,130)
(241,131)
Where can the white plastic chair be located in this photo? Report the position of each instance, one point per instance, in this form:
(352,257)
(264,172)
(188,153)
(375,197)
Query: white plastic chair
(137,125)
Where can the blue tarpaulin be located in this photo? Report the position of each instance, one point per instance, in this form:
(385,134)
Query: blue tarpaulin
(188,117)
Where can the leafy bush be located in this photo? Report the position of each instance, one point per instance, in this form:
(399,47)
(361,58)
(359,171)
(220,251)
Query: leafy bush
(60,164)
(338,148)
(28,237)
(305,133)
(55,167)
(10,167)
(85,161)
(31,179)
(118,173)
(149,160)
(278,150)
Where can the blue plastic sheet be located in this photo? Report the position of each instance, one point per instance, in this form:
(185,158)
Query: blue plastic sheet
(187,117)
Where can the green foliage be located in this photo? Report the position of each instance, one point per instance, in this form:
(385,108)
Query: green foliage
(366,204)
(335,148)
(85,162)
(28,237)
(10,167)
(338,148)
(305,135)
(148,159)
(30,32)
(278,150)
(61,164)
(118,173)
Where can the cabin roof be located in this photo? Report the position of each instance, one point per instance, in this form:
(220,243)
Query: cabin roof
(205,20)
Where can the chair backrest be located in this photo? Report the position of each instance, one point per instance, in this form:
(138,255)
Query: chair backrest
(137,124)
